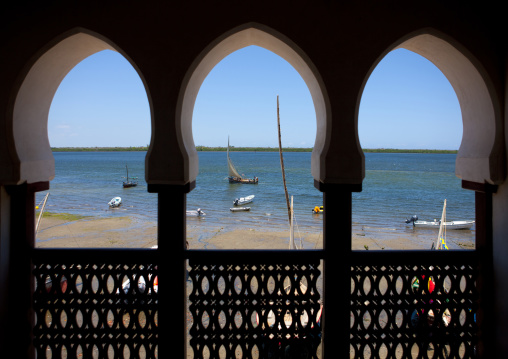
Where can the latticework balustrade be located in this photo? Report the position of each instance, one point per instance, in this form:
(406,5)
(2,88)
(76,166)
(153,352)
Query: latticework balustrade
(96,305)
(254,305)
(414,305)
(254,309)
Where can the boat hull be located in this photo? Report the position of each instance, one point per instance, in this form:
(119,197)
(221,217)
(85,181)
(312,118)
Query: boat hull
(240,209)
(447,225)
(243,180)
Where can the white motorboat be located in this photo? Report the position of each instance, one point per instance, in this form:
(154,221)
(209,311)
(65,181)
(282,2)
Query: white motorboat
(436,223)
(115,202)
(239,209)
(448,225)
(243,200)
(196,213)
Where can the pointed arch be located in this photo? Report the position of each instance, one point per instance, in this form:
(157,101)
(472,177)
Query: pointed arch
(31,156)
(240,37)
(481,156)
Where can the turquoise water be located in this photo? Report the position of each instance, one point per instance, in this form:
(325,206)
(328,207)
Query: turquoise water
(396,186)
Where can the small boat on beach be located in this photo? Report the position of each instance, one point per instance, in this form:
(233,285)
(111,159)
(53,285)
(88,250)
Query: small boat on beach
(239,209)
(440,223)
(196,213)
(243,200)
(448,225)
(115,202)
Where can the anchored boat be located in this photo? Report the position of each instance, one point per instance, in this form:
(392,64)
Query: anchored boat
(239,209)
(128,183)
(243,200)
(115,202)
(234,176)
(196,213)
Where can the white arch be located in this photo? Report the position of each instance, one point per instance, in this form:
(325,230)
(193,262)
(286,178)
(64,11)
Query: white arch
(246,35)
(481,156)
(33,101)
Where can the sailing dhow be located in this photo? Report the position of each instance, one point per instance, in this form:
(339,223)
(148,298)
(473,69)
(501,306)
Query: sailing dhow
(234,176)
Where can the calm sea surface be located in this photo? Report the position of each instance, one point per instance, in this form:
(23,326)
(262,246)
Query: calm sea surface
(396,186)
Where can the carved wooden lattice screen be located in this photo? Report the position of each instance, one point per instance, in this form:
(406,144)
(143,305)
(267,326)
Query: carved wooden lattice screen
(254,305)
(414,304)
(95,304)
(251,306)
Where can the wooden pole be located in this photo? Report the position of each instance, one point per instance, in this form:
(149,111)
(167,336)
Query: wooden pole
(282,164)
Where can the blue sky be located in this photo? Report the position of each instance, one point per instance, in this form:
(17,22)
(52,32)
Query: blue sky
(407,103)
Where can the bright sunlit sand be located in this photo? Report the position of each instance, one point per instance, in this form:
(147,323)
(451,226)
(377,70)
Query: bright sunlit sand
(127,232)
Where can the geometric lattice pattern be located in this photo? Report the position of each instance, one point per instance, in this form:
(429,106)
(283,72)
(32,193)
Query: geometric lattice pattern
(413,310)
(104,304)
(95,309)
(254,310)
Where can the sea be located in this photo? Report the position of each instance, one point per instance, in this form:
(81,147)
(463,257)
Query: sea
(396,186)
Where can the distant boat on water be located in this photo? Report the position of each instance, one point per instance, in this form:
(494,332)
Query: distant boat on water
(239,209)
(195,213)
(243,200)
(115,202)
(234,176)
(128,183)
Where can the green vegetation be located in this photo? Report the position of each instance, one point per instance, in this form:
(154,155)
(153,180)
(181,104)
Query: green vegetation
(241,149)
(394,150)
(251,149)
(98,149)
(63,216)
(300,149)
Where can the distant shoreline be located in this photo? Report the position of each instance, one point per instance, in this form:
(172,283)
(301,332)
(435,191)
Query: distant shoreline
(242,149)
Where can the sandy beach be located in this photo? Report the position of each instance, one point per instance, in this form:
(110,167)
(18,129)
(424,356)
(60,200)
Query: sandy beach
(132,232)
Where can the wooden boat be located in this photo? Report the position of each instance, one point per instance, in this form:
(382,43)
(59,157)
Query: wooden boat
(234,176)
(196,213)
(243,200)
(239,209)
(128,183)
(115,202)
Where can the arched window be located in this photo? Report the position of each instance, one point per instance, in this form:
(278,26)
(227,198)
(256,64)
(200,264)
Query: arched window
(237,104)
(410,127)
(99,128)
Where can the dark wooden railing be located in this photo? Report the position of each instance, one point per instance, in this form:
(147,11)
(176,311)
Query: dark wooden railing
(256,303)
(414,304)
(85,309)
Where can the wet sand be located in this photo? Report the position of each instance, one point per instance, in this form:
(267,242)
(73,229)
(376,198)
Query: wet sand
(131,232)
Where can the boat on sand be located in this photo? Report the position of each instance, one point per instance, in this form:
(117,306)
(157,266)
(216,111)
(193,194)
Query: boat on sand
(436,223)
